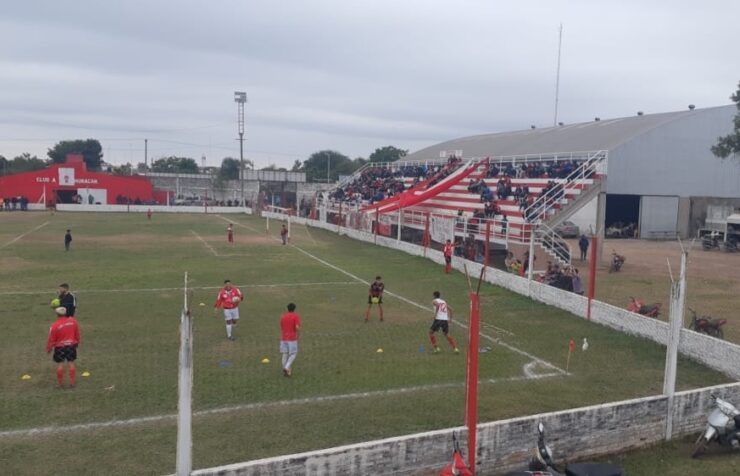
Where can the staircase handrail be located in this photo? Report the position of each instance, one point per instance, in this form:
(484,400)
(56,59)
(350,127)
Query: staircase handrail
(577,177)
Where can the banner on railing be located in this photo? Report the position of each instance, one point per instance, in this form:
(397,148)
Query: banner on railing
(442,228)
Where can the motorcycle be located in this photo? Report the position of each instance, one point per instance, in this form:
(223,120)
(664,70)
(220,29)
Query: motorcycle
(543,465)
(731,245)
(649,310)
(707,325)
(710,242)
(617,262)
(723,427)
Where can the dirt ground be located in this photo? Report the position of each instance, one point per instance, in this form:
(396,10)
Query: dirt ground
(713,278)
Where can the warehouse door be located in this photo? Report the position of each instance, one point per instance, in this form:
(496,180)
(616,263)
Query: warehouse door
(658,217)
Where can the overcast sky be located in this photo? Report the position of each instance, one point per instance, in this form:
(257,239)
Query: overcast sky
(344,75)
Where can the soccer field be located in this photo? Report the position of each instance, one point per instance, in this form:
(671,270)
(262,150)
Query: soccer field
(127,274)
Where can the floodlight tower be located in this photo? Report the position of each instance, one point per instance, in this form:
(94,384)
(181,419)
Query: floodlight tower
(240,98)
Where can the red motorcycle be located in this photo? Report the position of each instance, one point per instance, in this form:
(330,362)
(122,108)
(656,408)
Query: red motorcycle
(707,325)
(649,310)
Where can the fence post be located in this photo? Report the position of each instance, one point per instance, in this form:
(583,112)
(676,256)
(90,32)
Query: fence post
(427,238)
(185,390)
(487,245)
(678,297)
(592,276)
(400,221)
(377,224)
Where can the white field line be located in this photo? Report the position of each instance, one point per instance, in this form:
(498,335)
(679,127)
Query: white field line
(427,308)
(210,248)
(24,234)
(420,306)
(50,430)
(142,290)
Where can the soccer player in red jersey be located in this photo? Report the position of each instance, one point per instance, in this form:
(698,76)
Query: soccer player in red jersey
(290,324)
(230,233)
(442,317)
(229,298)
(64,337)
(375,296)
(448,256)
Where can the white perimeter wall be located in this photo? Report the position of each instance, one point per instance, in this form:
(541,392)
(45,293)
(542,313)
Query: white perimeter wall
(62,207)
(507,444)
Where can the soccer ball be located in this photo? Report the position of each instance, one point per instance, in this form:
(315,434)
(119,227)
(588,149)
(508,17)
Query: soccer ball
(55,303)
(235,299)
(375,300)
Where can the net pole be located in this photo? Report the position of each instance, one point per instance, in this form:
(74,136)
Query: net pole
(471,400)
(427,238)
(592,275)
(184,462)
(289,220)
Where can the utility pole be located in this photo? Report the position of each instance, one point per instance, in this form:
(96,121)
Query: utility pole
(557,76)
(146,150)
(240,98)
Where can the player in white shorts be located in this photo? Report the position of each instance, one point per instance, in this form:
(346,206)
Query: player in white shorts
(229,298)
(442,316)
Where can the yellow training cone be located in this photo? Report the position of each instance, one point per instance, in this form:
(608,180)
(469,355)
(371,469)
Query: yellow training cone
(85,373)
(265,360)
(379,351)
(26,377)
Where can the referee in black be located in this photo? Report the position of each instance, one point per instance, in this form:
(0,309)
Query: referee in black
(67,300)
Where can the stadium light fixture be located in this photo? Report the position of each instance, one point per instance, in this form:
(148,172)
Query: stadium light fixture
(240,97)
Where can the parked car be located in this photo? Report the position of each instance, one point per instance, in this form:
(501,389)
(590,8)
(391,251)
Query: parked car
(568,229)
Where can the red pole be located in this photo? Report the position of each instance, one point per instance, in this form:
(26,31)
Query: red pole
(592,275)
(471,397)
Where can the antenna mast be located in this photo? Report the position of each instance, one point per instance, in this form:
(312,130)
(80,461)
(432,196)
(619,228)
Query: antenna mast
(557,75)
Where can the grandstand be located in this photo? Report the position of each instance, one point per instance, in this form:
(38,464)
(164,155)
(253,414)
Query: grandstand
(541,188)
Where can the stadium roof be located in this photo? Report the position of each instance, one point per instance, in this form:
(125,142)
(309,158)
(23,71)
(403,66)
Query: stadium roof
(605,134)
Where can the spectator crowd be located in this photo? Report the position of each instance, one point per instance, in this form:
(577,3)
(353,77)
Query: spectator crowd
(10,204)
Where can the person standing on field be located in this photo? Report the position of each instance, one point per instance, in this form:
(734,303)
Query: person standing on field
(375,296)
(290,324)
(230,233)
(149,214)
(67,240)
(284,234)
(229,298)
(442,317)
(67,300)
(64,337)
(448,255)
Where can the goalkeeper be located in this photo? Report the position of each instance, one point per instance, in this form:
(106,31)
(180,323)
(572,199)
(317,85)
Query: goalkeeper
(375,296)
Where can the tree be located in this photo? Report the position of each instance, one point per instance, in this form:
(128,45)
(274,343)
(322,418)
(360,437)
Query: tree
(388,154)
(90,149)
(229,169)
(175,165)
(730,144)
(274,167)
(297,166)
(315,166)
(22,163)
(125,169)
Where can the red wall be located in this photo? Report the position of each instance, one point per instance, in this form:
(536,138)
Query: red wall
(32,184)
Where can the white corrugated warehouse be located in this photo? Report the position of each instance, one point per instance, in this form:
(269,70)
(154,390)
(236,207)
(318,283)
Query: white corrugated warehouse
(661,173)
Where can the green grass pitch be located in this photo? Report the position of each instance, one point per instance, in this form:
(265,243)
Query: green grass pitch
(127,274)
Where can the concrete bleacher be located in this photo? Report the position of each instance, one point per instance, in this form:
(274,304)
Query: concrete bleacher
(456,201)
